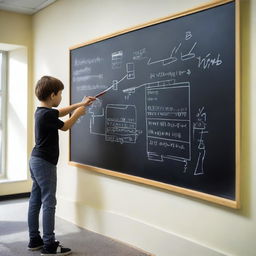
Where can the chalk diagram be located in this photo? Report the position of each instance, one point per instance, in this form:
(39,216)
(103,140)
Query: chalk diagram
(120,120)
(168,120)
(117,59)
(172,58)
(167,125)
(120,123)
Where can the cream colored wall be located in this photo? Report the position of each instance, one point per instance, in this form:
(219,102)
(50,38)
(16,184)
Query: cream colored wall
(155,220)
(16,29)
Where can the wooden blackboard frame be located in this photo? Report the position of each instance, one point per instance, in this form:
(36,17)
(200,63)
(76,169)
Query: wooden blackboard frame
(189,192)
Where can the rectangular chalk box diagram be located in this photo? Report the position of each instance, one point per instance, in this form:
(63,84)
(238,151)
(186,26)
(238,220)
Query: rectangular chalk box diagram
(168,111)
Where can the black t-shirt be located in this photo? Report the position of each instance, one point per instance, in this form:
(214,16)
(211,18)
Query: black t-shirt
(47,123)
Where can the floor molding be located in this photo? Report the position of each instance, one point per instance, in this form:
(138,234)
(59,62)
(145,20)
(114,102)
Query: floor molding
(14,196)
(131,231)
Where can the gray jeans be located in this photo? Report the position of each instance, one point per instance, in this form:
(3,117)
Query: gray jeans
(43,193)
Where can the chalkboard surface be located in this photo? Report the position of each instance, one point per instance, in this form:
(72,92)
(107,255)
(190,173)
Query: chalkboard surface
(170,114)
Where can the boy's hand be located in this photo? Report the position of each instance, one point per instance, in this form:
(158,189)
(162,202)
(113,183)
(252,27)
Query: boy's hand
(80,111)
(87,101)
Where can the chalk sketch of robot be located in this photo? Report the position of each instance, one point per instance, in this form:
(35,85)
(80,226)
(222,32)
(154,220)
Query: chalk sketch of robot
(199,129)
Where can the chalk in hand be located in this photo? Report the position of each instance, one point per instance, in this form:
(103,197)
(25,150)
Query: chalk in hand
(100,94)
(103,92)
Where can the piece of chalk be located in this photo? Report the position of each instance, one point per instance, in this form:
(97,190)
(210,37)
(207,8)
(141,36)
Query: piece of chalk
(100,94)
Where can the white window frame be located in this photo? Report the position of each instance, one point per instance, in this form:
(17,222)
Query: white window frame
(3,122)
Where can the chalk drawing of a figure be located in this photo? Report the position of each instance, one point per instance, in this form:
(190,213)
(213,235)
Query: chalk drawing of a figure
(199,129)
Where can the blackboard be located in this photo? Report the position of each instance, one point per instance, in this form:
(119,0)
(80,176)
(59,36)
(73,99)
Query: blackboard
(171,116)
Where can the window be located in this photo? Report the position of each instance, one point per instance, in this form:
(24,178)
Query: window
(2,111)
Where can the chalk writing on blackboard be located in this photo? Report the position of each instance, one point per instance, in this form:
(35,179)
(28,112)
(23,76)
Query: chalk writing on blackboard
(121,123)
(189,55)
(117,59)
(208,61)
(118,122)
(170,74)
(139,54)
(130,70)
(81,61)
(168,126)
(199,129)
(169,60)
(188,35)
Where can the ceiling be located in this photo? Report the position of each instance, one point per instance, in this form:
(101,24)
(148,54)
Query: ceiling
(24,6)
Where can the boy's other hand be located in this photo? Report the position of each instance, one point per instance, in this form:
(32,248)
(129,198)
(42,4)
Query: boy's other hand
(87,101)
(80,111)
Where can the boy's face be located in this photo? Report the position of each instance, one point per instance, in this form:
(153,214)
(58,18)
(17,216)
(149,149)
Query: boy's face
(56,99)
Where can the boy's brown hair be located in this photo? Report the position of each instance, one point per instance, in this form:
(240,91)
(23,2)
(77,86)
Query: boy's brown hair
(46,86)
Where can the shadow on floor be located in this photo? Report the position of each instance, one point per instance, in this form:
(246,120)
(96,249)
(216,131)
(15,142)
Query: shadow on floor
(11,227)
(14,236)
(83,243)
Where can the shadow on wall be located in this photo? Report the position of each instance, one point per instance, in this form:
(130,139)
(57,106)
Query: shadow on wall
(89,201)
(94,192)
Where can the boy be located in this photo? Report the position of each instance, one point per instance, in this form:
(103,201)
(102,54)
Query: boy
(43,161)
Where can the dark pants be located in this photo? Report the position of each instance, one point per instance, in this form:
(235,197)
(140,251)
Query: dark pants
(43,193)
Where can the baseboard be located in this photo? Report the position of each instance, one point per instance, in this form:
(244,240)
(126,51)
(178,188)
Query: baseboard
(131,231)
(14,196)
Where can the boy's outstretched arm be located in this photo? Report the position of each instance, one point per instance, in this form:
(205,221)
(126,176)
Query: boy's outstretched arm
(66,110)
(77,113)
